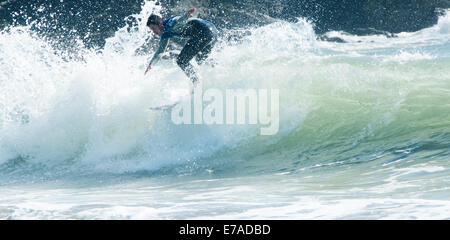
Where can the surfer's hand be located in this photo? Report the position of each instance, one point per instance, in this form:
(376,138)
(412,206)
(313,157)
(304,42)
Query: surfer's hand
(148,69)
(191,12)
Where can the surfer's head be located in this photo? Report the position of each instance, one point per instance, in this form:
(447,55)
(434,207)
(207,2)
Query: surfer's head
(154,22)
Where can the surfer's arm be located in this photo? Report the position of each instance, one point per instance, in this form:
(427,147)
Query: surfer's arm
(157,56)
(182,21)
(188,14)
(191,12)
(161,49)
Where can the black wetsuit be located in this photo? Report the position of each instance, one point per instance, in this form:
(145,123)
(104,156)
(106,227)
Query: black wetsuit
(201,35)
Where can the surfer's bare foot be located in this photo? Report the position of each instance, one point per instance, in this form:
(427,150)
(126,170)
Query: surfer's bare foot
(194,86)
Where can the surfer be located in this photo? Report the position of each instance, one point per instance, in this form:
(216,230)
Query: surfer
(201,35)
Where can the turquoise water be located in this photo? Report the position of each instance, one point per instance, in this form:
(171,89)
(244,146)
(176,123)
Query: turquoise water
(364,129)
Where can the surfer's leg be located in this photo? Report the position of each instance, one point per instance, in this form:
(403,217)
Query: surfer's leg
(192,48)
(204,53)
(185,56)
(188,69)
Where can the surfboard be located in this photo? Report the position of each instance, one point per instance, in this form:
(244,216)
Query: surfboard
(164,107)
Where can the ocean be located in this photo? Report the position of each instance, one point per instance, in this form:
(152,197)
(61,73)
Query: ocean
(364,127)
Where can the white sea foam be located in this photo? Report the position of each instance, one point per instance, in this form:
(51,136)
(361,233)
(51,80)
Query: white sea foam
(359,122)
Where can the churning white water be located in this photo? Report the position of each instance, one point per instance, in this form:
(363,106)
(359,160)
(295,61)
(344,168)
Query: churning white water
(364,129)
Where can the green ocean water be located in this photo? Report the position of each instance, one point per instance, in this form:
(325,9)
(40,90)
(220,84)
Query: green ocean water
(364,129)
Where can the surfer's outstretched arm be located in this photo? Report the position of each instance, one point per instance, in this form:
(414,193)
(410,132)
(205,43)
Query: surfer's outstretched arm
(156,25)
(157,56)
(183,20)
(191,12)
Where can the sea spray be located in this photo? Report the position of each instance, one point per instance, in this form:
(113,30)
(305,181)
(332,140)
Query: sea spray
(363,129)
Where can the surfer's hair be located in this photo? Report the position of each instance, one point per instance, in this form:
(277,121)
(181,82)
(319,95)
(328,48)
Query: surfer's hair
(154,20)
